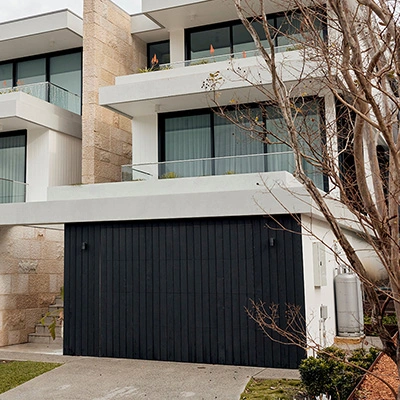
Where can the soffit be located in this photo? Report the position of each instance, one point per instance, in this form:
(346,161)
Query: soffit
(40,34)
(190,15)
(22,111)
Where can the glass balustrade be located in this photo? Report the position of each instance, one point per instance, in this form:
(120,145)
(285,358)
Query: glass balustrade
(12,191)
(252,163)
(51,93)
(231,165)
(217,58)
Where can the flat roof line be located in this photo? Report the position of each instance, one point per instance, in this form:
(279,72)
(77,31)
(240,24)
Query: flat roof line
(40,15)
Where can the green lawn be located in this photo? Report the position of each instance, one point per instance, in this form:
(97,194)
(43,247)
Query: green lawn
(272,389)
(14,373)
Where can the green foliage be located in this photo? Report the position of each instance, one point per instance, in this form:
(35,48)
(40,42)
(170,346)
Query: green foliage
(170,175)
(362,358)
(333,373)
(56,317)
(154,68)
(387,319)
(272,389)
(15,373)
(9,90)
(146,69)
(199,62)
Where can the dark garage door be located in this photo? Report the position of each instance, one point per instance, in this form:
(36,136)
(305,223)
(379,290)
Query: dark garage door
(178,289)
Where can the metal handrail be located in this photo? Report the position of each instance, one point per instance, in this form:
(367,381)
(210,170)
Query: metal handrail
(13,181)
(205,159)
(29,88)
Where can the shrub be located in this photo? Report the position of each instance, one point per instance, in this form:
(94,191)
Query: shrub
(170,175)
(334,374)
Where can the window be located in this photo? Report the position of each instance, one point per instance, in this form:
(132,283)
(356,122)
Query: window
(231,140)
(201,42)
(188,137)
(66,79)
(12,167)
(232,37)
(214,145)
(242,40)
(158,54)
(32,72)
(56,78)
(6,75)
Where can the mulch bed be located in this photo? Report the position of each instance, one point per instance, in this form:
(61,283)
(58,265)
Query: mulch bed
(372,388)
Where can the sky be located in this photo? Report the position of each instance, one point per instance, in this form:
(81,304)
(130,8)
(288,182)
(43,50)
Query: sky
(14,9)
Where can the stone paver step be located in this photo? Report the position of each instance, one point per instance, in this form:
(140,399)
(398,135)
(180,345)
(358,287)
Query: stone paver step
(44,339)
(44,330)
(42,334)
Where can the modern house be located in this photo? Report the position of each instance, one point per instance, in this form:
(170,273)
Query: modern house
(40,146)
(182,219)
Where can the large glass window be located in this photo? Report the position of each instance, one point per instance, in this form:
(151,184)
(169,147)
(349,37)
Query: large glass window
(66,78)
(232,140)
(242,40)
(31,75)
(210,42)
(56,78)
(233,38)
(6,75)
(32,71)
(289,30)
(211,144)
(12,168)
(157,54)
(187,137)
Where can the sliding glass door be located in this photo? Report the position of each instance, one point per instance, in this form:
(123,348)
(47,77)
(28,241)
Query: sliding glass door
(241,151)
(187,137)
(247,139)
(12,167)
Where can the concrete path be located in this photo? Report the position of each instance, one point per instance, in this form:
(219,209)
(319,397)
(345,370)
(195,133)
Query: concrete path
(90,378)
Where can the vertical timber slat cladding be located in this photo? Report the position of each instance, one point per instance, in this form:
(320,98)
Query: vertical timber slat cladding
(178,290)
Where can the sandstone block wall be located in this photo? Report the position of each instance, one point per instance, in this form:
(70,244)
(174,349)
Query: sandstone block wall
(108,51)
(31,275)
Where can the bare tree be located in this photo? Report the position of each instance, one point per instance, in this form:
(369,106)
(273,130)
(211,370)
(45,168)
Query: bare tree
(351,50)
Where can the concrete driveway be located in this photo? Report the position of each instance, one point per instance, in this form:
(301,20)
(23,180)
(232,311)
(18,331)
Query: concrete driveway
(90,378)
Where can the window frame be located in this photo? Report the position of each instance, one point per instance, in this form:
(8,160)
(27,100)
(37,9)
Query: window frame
(46,57)
(232,23)
(149,56)
(21,132)
(212,112)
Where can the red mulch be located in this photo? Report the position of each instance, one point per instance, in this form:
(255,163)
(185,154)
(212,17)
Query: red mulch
(374,389)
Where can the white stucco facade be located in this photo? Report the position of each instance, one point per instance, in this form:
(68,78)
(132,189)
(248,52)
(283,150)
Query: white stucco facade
(54,149)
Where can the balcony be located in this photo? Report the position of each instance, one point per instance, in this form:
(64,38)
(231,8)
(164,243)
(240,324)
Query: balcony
(230,165)
(50,93)
(174,89)
(12,191)
(213,59)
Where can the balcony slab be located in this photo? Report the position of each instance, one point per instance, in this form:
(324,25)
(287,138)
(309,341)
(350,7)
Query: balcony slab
(233,195)
(182,88)
(19,110)
(40,34)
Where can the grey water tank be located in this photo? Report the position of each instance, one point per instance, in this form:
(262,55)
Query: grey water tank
(349,308)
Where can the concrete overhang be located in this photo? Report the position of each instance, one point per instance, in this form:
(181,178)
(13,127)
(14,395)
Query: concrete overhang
(182,14)
(233,195)
(20,110)
(40,34)
(182,88)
